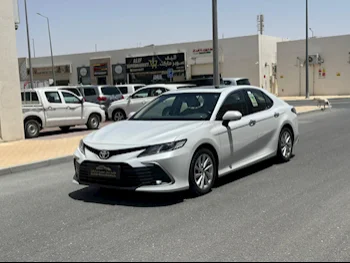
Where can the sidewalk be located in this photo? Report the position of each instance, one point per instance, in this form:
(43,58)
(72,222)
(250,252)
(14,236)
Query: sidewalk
(30,151)
(293,98)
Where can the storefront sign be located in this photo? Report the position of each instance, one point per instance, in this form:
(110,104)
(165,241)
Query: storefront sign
(157,64)
(65,69)
(202,51)
(100,69)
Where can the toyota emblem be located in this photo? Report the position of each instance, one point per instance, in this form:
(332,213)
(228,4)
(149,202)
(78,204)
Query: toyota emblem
(104,155)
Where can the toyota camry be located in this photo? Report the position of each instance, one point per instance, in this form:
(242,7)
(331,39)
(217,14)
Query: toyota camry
(187,139)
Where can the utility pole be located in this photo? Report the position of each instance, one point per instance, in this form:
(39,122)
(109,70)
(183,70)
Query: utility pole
(28,42)
(33,47)
(307,92)
(215,44)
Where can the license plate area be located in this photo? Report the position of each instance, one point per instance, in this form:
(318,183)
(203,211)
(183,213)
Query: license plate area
(106,171)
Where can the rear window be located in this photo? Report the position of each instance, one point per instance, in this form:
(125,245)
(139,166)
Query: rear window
(123,90)
(30,97)
(227,82)
(243,82)
(110,91)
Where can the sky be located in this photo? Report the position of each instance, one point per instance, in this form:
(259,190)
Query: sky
(78,25)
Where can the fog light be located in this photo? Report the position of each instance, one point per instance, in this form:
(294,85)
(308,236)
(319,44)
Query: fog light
(158,182)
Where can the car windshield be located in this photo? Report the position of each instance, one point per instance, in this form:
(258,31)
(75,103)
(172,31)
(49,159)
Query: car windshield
(183,106)
(110,91)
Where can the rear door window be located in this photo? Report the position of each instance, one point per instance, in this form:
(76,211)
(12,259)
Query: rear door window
(227,82)
(110,91)
(256,101)
(53,97)
(75,91)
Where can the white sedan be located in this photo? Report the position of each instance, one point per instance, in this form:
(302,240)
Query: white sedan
(186,139)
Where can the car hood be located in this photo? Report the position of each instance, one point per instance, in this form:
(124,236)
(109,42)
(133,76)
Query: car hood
(139,133)
(90,104)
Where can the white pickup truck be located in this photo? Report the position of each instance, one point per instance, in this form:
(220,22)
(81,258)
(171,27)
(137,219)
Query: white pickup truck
(51,107)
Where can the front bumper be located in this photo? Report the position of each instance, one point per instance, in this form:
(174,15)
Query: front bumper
(161,173)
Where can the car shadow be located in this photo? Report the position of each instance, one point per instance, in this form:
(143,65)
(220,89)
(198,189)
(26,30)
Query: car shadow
(60,132)
(127,198)
(136,199)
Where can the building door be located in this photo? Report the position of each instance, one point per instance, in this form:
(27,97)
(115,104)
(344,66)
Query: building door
(102,81)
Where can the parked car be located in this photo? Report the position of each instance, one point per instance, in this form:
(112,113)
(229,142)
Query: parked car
(102,95)
(236,81)
(119,110)
(129,89)
(186,139)
(73,89)
(50,107)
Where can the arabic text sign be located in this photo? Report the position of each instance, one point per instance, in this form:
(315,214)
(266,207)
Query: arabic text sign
(156,63)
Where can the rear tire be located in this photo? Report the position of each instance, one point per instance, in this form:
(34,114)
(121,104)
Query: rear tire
(93,122)
(32,129)
(118,115)
(285,145)
(65,128)
(203,172)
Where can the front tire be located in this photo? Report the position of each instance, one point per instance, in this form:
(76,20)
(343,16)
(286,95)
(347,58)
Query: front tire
(203,172)
(285,145)
(93,122)
(32,129)
(118,115)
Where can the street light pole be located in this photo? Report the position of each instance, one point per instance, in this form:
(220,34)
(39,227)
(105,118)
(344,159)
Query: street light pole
(28,42)
(33,47)
(215,44)
(307,93)
(53,66)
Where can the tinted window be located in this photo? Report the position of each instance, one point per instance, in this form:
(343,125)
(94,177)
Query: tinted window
(256,101)
(30,97)
(243,82)
(269,101)
(75,91)
(183,106)
(53,97)
(90,92)
(69,98)
(227,82)
(110,91)
(123,90)
(233,102)
(141,94)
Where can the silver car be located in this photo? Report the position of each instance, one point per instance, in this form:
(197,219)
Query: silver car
(102,95)
(187,139)
(120,110)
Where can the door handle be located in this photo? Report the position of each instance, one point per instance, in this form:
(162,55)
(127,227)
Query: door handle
(50,108)
(69,108)
(276,115)
(252,123)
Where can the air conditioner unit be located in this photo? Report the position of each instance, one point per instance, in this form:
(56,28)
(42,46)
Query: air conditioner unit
(315,59)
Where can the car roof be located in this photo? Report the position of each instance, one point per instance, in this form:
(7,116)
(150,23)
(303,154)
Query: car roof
(129,85)
(212,89)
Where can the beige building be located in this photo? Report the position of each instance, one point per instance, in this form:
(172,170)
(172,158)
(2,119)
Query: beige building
(329,66)
(11,120)
(253,57)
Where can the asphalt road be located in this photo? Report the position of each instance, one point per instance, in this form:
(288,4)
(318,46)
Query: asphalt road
(297,211)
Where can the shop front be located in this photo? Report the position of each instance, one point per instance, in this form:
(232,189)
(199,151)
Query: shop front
(165,68)
(63,74)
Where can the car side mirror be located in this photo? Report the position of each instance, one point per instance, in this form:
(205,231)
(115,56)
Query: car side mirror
(231,116)
(131,114)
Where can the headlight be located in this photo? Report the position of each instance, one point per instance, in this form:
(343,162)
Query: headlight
(162,148)
(82,147)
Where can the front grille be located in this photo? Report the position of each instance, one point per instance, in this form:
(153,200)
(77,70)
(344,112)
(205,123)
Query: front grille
(115,152)
(129,177)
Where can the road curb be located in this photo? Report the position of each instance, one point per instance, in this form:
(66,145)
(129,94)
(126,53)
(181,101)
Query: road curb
(36,165)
